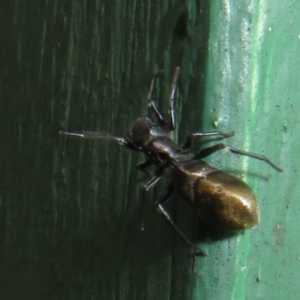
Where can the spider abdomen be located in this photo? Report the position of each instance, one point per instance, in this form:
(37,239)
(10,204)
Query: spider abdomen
(223,200)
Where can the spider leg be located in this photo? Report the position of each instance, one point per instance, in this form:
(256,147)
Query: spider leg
(171,111)
(190,136)
(151,99)
(94,135)
(161,210)
(210,150)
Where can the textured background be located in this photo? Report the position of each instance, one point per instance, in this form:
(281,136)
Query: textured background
(70,210)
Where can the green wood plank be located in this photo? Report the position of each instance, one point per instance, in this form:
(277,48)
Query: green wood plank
(70,210)
(252,87)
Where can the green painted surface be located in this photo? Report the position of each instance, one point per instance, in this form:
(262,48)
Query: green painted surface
(252,86)
(70,210)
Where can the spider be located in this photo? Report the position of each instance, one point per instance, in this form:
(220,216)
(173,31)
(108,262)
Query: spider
(223,200)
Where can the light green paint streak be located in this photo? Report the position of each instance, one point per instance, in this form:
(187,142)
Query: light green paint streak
(257,40)
(243,247)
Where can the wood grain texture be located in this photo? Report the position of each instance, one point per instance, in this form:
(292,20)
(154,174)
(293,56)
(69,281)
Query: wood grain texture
(70,210)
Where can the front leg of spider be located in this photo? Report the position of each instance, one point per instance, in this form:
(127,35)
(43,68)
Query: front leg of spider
(171,110)
(96,135)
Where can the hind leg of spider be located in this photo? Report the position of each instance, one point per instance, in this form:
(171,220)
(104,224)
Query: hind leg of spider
(210,150)
(160,209)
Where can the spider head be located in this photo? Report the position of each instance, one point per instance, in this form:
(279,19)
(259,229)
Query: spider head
(143,130)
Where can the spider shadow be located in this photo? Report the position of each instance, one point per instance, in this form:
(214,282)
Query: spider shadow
(208,233)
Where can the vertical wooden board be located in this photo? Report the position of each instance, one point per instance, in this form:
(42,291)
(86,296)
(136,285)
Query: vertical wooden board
(70,222)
